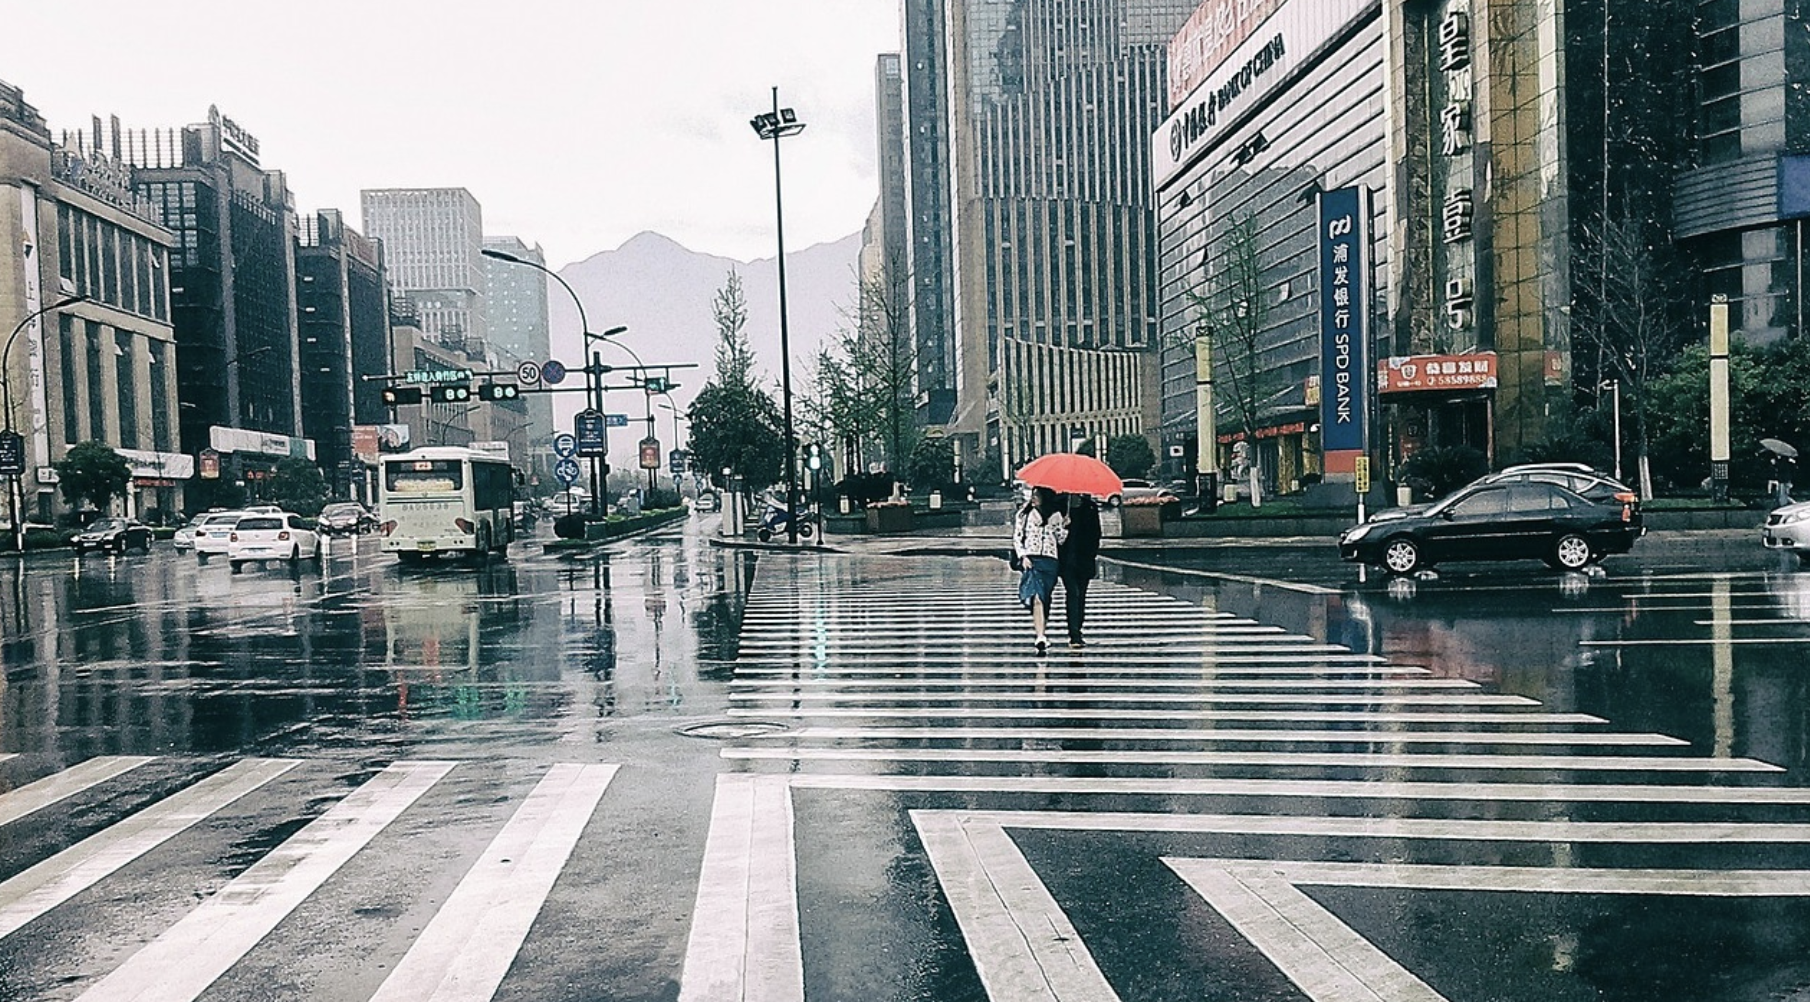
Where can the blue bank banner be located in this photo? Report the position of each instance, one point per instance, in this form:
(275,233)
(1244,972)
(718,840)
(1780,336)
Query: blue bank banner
(1344,292)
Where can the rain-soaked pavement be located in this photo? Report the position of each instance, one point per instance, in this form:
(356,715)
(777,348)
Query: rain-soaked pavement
(670,770)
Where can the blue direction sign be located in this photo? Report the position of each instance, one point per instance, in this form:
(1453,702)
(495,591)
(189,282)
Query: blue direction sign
(588,426)
(566,470)
(617,420)
(12,453)
(553,372)
(565,445)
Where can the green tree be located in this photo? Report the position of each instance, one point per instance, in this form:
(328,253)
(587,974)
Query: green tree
(1230,320)
(735,424)
(933,465)
(299,487)
(1130,455)
(861,386)
(93,472)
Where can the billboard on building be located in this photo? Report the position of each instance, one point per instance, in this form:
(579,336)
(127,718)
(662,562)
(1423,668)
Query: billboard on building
(1344,293)
(1421,373)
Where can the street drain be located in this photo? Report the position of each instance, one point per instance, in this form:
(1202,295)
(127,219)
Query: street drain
(729,730)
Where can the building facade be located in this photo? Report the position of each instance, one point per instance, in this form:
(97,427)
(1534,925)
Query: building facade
(1048,109)
(516,308)
(103,368)
(433,240)
(929,221)
(342,307)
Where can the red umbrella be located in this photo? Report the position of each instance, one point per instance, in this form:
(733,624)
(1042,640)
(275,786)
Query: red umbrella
(1072,473)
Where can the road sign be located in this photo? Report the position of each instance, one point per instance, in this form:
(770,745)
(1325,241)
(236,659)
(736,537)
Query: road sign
(430,376)
(565,446)
(12,453)
(650,453)
(553,372)
(1363,474)
(588,427)
(617,420)
(675,461)
(527,372)
(566,471)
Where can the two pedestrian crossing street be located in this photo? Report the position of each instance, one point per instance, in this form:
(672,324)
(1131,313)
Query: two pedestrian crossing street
(179,872)
(1197,804)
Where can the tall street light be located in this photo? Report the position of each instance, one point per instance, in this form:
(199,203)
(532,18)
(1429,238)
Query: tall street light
(776,125)
(593,369)
(13,498)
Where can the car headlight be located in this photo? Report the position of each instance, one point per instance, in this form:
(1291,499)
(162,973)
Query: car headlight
(1795,517)
(1357,532)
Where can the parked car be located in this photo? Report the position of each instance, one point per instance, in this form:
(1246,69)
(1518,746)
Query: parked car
(1575,477)
(285,536)
(113,535)
(345,518)
(212,531)
(1136,489)
(1788,529)
(184,539)
(1506,521)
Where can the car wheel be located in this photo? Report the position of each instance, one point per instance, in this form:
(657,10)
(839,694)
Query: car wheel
(1401,555)
(200,557)
(764,534)
(804,530)
(295,553)
(238,566)
(1571,552)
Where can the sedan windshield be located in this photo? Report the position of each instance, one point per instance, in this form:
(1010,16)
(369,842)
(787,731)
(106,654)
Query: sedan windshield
(107,525)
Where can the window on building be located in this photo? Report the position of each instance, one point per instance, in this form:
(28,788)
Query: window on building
(163,376)
(97,387)
(72,421)
(125,364)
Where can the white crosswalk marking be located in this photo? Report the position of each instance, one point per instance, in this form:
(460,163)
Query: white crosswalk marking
(180,964)
(744,944)
(61,877)
(34,797)
(466,950)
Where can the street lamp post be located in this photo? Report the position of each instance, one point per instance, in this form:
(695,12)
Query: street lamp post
(13,497)
(593,369)
(1614,388)
(776,125)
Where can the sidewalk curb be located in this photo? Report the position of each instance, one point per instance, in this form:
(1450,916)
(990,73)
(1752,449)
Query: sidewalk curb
(727,543)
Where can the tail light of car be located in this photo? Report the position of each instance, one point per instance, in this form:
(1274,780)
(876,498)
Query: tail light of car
(388,527)
(1627,512)
(1626,497)
(464,525)
(283,537)
(232,537)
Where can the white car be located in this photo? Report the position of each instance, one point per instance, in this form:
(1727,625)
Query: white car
(283,536)
(184,539)
(212,531)
(1788,529)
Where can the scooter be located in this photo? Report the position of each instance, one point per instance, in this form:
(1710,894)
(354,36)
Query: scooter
(776,519)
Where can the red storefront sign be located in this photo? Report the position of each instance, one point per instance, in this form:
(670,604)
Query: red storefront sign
(1436,373)
(1272,431)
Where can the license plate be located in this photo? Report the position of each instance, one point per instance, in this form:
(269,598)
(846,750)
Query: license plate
(425,544)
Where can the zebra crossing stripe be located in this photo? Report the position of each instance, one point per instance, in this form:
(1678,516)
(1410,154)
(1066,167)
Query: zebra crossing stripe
(34,797)
(1028,696)
(1082,713)
(1221,734)
(1056,673)
(905,659)
(39,889)
(745,944)
(469,945)
(1280,759)
(1050,685)
(180,964)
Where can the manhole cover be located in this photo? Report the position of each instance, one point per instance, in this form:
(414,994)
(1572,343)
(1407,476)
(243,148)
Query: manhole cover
(725,730)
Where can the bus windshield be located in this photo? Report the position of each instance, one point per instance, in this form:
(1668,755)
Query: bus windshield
(424,476)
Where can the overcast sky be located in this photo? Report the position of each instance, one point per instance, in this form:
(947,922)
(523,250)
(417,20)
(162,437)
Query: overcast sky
(576,123)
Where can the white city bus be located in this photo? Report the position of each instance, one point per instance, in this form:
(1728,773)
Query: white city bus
(445,500)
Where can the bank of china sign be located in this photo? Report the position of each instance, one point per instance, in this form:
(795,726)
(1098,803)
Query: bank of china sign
(1266,57)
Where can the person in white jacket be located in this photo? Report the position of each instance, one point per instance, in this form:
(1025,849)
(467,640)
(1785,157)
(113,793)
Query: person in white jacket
(1037,536)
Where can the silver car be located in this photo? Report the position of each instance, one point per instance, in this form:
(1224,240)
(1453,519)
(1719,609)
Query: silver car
(1788,529)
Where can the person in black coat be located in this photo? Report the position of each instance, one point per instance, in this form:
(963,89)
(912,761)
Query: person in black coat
(1077,561)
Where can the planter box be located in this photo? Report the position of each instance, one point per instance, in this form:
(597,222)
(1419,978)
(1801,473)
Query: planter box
(1141,520)
(889,518)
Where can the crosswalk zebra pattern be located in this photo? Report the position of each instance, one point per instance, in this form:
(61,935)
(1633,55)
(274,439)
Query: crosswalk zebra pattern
(462,954)
(919,678)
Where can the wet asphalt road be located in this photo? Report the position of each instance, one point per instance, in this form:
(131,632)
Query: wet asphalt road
(1263,779)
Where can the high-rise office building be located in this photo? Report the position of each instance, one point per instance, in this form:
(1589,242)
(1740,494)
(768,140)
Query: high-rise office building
(515,306)
(1040,119)
(232,286)
(344,326)
(433,241)
(928,222)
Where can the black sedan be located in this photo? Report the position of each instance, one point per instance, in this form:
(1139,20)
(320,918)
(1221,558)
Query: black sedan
(1510,521)
(113,535)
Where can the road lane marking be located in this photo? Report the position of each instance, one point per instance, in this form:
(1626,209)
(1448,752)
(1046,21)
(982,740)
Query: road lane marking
(1064,670)
(35,796)
(1321,717)
(55,880)
(1309,698)
(474,937)
(1456,829)
(1305,589)
(1225,734)
(1310,789)
(745,944)
(1279,759)
(1693,641)
(1053,685)
(1059,658)
(1022,944)
(180,964)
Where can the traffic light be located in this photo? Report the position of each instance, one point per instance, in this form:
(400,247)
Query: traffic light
(814,456)
(451,393)
(397,396)
(498,391)
(658,384)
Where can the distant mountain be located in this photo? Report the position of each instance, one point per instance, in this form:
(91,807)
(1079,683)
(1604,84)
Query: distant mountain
(663,290)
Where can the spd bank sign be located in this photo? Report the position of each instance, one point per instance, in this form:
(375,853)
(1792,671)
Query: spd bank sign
(1344,293)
